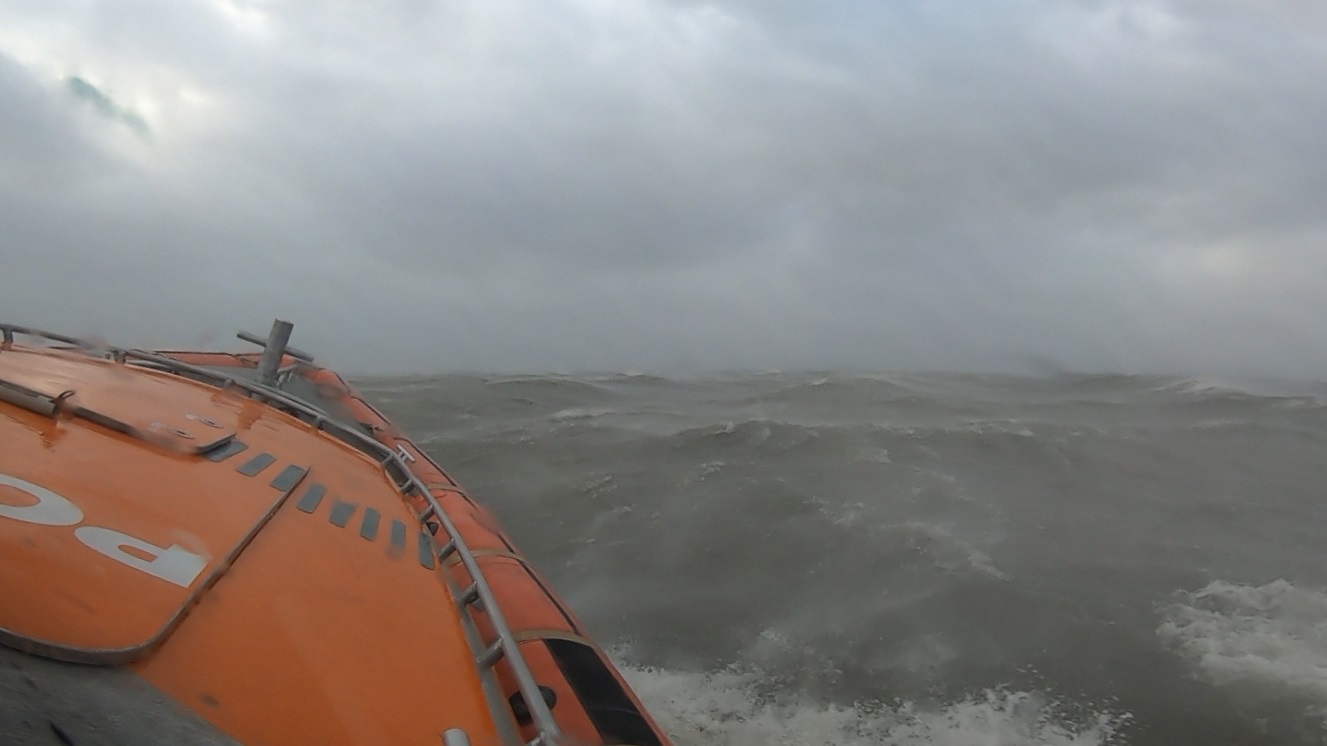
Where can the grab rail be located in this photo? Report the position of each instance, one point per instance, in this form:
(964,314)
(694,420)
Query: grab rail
(478,592)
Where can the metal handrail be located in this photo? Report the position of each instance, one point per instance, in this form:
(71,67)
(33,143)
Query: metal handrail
(479,591)
(9,330)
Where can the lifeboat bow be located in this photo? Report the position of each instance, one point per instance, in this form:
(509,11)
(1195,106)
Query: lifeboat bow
(213,547)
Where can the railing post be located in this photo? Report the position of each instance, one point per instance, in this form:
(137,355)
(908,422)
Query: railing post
(272,352)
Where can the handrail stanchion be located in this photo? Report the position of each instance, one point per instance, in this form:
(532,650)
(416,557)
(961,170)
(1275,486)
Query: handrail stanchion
(273,350)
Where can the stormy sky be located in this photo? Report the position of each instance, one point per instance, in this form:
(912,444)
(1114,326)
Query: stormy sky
(535,185)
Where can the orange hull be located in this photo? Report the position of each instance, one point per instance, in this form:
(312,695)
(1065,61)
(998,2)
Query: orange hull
(248,549)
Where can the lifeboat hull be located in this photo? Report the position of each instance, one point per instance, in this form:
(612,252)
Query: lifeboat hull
(241,548)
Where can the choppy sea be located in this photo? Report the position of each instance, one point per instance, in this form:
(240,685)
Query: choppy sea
(816,559)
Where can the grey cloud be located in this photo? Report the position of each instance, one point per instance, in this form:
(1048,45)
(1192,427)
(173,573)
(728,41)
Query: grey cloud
(106,106)
(1107,185)
(39,146)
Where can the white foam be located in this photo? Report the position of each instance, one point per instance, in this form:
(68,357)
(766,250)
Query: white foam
(1204,387)
(1001,427)
(1267,634)
(949,552)
(728,708)
(579,414)
(874,455)
(1300,402)
(706,469)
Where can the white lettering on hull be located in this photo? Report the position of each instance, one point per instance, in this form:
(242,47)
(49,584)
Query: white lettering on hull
(51,509)
(173,564)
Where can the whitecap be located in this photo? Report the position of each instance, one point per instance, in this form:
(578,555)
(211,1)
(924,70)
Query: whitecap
(732,707)
(1273,634)
(576,414)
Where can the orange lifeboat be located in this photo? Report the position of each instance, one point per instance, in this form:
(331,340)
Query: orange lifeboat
(205,547)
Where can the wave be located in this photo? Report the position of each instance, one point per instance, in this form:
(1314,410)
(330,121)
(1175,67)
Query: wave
(865,442)
(735,707)
(1271,635)
(542,384)
(582,413)
(634,377)
(938,545)
(763,429)
(821,384)
(944,402)
(1202,388)
(1283,395)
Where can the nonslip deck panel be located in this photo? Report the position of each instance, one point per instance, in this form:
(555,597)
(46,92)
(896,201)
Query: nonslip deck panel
(256,464)
(312,496)
(226,450)
(341,513)
(368,527)
(288,478)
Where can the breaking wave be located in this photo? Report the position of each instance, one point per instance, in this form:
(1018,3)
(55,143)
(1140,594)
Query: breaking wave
(734,707)
(1273,635)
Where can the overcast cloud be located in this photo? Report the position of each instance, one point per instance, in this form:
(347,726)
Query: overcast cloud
(1135,186)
